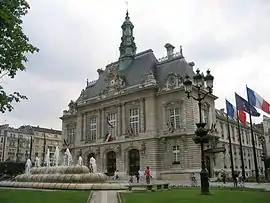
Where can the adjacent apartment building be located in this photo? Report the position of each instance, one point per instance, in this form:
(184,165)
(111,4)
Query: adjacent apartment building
(15,143)
(136,114)
(266,129)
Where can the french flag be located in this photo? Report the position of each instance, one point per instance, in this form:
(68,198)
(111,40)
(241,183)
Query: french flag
(232,112)
(256,100)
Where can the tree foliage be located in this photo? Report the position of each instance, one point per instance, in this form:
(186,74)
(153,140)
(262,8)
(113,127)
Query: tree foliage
(14,45)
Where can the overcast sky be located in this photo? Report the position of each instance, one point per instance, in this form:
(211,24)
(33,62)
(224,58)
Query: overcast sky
(230,37)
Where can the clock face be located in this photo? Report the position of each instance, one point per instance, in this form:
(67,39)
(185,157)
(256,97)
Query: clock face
(172,80)
(112,82)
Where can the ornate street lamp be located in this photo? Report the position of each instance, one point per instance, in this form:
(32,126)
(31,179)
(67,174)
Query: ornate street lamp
(204,86)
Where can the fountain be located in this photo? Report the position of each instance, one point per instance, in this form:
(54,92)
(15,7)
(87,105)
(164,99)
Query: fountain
(56,156)
(28,165)
(47,158)
(67,158)
(67,176)
(93,165)
(37,162)
(80,161)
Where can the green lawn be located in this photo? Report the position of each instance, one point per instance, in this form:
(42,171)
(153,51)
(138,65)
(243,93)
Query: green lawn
(35,196)
(193,196)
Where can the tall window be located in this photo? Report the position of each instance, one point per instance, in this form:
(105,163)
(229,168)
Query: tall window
(174,117)
(134,120)
(112,124)
(233,133)
(206,116)
(247,137)
(222,129)
(176,154)
(93,128)
(70,134)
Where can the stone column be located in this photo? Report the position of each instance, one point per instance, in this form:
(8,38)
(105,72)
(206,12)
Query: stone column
(151,117)
(142,115)
(102,123)
(98,125)
(84,126)
(124,118)
(78,132)
(119,121)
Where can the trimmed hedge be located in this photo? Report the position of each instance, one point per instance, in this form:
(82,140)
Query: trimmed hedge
(11,169)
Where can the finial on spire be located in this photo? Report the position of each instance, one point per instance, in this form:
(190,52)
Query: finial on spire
(181,50)
(127,8)
(87,82)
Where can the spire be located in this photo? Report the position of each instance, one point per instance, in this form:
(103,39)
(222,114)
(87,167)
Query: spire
(127,47)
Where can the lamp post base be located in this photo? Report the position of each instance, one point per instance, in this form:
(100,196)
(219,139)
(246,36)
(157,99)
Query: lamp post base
(204,182)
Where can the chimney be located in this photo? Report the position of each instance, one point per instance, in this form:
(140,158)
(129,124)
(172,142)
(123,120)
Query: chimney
(169,49)
(100,71)
(191,64)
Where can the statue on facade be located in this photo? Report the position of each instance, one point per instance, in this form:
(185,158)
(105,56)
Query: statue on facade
(28,165)
(37,162)
(93,166)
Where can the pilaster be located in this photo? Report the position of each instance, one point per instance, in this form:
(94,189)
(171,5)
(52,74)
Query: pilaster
(102,123)
(124,118)
(119,120)
(84,126)
(142,115)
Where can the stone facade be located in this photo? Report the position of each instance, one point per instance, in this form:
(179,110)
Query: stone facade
(136,114)
(222,160)
(15,143)
(266,129)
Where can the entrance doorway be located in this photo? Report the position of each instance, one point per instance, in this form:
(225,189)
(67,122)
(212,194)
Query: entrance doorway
(111,163)
(133,161)
(88,158)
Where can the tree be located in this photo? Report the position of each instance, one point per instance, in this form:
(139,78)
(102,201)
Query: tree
(14,46)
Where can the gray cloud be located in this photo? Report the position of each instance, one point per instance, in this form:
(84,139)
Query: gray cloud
(77,38)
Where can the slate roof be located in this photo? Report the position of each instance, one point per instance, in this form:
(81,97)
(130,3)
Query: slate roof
(143,63)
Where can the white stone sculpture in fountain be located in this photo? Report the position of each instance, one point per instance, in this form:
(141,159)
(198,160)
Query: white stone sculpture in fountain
(28,165)
(37,162)
(56,156)
(93,165)
(68,158)
(80,161)
(47,158)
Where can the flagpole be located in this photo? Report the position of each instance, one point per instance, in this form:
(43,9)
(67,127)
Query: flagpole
(253,141)
(254,149)
(241,148)
(230,146)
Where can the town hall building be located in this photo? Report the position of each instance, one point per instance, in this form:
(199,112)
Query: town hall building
(136,114)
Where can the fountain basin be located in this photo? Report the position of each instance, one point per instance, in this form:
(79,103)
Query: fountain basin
(60,170)
(63,178)
(65,186)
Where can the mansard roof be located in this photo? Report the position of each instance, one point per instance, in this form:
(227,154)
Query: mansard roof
(144,63)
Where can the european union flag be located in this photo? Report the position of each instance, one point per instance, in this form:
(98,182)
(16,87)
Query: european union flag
(242,104)
(231,111)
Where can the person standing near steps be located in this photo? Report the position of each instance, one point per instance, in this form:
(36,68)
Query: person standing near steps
(147,174)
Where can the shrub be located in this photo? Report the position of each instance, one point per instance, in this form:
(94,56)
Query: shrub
(11,168)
